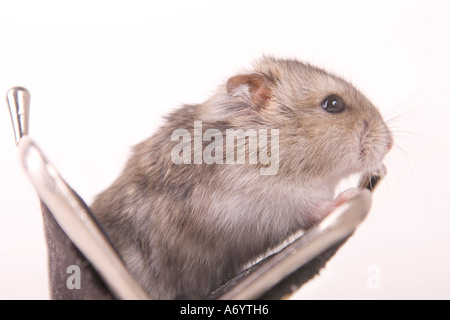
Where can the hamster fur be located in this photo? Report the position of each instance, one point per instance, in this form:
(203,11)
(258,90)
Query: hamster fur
(183,229)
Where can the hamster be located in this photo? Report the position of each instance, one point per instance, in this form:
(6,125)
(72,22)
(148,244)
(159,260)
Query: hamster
(189,212)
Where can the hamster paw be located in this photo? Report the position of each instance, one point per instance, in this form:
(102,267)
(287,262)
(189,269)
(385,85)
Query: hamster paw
(346,196)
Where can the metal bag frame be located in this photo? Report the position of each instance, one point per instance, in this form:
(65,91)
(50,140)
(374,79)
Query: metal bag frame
(74,234)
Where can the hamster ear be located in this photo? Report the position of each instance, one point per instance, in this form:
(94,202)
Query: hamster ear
(252,88)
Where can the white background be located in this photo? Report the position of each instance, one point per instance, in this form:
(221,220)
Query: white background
(103,73)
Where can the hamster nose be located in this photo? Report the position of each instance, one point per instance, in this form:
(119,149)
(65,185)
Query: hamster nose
(390,140)
(390,143)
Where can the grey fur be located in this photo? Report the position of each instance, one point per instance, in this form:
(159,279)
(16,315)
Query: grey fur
(184,229)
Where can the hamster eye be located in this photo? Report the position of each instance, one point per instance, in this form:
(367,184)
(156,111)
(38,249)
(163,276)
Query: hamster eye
(333,104)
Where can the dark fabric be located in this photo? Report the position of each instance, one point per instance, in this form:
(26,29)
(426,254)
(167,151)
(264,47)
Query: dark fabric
(62,253)
(287,286)
(302,275)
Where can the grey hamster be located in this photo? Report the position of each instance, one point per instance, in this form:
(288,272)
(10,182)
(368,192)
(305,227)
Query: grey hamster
(188,211)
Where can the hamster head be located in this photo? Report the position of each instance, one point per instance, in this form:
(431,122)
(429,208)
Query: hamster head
(328,129)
